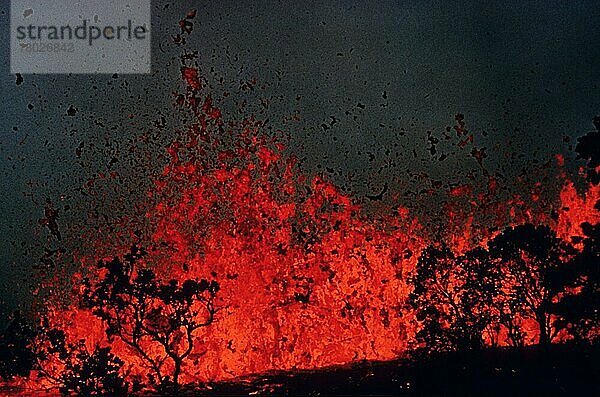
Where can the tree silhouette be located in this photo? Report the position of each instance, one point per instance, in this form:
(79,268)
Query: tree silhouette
(582,310)
(451,298)
(147,314)
(526,272)
(482,292)
(531,261)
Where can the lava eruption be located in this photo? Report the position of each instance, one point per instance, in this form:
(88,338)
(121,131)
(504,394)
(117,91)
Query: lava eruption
(245,265)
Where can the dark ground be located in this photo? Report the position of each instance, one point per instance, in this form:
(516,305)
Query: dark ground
(561,370)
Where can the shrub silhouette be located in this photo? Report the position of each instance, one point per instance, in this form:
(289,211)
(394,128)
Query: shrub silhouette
(73,369)
(16,356)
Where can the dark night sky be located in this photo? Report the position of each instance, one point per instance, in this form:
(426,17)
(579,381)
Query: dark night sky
(524,74)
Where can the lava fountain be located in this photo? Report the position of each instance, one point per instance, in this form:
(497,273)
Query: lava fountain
(305,279)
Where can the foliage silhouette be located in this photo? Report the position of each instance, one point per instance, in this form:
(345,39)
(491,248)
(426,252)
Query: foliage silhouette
(16,356)
(450,297)
(531,262)
(582,310)
(525,273)
(76,370)
(157,320)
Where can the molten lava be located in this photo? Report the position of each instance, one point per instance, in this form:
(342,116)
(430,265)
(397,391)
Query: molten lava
(306,279)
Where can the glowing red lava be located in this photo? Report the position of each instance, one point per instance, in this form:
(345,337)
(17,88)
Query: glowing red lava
(306,279)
